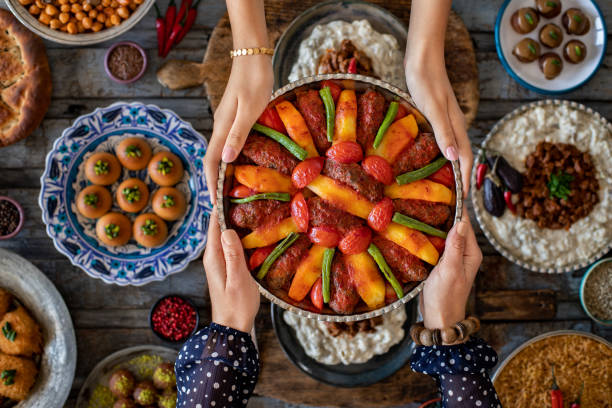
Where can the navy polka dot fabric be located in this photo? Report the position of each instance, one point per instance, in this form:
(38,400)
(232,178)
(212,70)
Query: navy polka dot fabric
(461,372)
(217,367)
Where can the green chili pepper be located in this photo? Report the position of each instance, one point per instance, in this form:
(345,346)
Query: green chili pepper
(263,196)
(386,270)
(578,51)
(421,173)
(418,225)
(330,111)
(328,256)
(276,252)
(289,144)
(387,121)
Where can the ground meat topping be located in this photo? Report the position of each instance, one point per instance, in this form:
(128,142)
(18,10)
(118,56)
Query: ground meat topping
(334,61)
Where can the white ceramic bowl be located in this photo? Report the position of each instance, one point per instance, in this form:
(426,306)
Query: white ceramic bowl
(61,37)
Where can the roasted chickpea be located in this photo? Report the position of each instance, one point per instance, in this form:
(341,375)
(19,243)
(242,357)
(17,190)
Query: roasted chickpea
(86,6)
(65,8)
(72,28)
(124,2)
(62,2)
(55,24)
(40,4)
(123,12)
(87,23)
(133,6)
(64,17)
(138,1)
(76,8)
(108,23)
(99,7)
(101,17)
(106,3)
(97,26)
(51,10)
(34,9)
(109,11)
(80,27)
(44,18)
(114,4)
(25,2)
(79,16)
(93,13)
(115,20)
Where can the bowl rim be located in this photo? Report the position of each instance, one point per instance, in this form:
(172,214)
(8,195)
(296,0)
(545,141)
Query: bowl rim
(21,217)
(412,293)
(189,302)
(137,76)
(24,16)
(585,277)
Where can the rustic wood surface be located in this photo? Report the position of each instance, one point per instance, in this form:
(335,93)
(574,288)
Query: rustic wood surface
(109,318)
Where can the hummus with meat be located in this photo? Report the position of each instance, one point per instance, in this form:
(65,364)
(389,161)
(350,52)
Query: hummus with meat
(517,138)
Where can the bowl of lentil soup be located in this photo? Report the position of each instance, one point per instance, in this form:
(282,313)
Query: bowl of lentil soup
(79,22)
(596,292)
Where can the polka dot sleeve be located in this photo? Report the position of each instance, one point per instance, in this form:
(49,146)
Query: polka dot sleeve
(461,372)
(217,367)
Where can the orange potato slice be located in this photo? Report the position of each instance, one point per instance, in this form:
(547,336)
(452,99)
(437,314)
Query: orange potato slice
(269,234)
(413,241)
(296,127)
(425,190)
(368,281)
(341,196)
(263,179)
(307,273)
(345,126)
(399,135)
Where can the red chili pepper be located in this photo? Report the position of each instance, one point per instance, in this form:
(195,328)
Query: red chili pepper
(556,397)
(481,170)
(170,16)
(191,16)
(160,26)
(576,404)
(508,200)
(185,5)
(172,38)
(352,68)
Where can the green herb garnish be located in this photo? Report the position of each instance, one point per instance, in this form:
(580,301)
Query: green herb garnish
(8,376)
(529,18)
(164,166)
(168,201)
(553,34)
(149,228)
(551,4)
(101,167)
(111,231)
(91,200)
(559,185)
(8,332)
(577,18)
(131,194)
(532,48)
(556,61)
(578,50)
(133,151)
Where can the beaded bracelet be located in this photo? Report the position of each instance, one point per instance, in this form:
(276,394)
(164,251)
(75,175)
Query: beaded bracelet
(459,333)
(251,51)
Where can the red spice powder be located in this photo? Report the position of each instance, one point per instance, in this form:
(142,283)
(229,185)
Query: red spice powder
(174,318)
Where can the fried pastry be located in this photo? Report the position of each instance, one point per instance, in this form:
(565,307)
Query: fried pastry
(17,375)
(20,333)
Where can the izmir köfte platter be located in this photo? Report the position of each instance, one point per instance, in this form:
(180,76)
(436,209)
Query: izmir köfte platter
(519,239)
(354,84)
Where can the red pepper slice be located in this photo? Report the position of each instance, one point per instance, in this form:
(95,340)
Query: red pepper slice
(444,176)
(352,68)
(508,200)
(271,119)
(333,87)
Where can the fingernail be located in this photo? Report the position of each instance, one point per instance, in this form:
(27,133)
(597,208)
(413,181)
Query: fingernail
(451,153)
(462,228)
(229,154)
(225,237)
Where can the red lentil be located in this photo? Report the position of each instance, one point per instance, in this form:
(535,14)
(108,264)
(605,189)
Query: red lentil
(174,318)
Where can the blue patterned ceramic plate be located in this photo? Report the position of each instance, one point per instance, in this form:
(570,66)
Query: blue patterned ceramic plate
(74,235)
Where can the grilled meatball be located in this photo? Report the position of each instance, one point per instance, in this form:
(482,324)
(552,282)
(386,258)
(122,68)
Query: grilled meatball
(256,213)
(354,176)
(343,296)
(282,270)
(406,267)
(434,214)
(267,153)
(312,109)
(370,114)
(323,213)
(417,154)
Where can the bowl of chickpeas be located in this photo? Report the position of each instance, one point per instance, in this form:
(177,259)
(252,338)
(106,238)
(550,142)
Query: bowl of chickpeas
(79,22)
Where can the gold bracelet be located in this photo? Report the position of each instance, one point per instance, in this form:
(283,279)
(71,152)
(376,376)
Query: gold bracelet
(251,51)
(456,334)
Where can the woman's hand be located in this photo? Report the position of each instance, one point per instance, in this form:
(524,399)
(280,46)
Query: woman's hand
(233,292)
(448,286)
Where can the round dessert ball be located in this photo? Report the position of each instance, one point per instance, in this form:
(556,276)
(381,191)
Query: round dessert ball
(145,393)
(102,168)
(94,201)
(526,50)
(121,384)
(134,153)
(551,65)
(132,195)
(574,51)
(166,169)
(114,229)
(164,377)
(124,403)
(524,20)
(167,399)
(149,230)
(549,8)
(169,203)
(551,35)
(575,21)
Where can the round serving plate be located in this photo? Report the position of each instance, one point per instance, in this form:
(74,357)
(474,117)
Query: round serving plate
(572,76)
(339,375)
(480,211)
(520,348)
(74,236)
(288,45)
(137,359)
(58,360)
(357,82)
(61,37)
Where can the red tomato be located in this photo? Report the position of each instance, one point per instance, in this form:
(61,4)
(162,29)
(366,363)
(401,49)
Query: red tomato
(345,152)
(401,112)
(444,176)
(379,169)
(259,256)
(356,241)
(299,212)
(316,294)
(270,118)
(390,295)
(438,243)
(324,235)
(333,87)
(241,191)
(307,171)
(380,216)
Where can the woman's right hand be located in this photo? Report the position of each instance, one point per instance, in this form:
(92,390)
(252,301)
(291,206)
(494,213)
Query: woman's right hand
(448,286)
(247,94)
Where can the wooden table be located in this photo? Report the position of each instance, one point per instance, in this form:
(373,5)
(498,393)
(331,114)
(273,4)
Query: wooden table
(108,318)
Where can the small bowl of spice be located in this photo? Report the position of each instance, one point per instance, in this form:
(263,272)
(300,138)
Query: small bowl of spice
(596,292)
(125,62)
(174,318)
(11,217)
